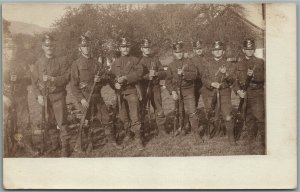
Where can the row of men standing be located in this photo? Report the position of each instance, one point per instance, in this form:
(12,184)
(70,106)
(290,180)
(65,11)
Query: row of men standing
(129,77)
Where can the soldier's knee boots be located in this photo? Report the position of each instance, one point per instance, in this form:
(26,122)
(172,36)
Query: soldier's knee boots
(111,140)
(139,141)
(230,132)
(197,137)
(65,148)
(53,135)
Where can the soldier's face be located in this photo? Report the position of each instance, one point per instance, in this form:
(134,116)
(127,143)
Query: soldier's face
(48,49)
(178,55)
(124,50)
(249,52)
(146,50)
(198,51)
(218,53)
(86,50)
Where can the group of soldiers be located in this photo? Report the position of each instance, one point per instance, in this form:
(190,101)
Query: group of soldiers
(136,82)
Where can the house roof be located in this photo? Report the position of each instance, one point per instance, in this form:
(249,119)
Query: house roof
(233,28)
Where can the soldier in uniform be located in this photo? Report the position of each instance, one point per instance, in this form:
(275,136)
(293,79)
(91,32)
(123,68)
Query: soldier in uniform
(16,82)
(199,61)
(218,76)
(153,73)
(128,73)
(183,68)
(252,67)
(51,74)
(84,72)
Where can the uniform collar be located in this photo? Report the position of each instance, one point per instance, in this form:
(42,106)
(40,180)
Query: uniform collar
(249,58)
(218,59)
(53,56)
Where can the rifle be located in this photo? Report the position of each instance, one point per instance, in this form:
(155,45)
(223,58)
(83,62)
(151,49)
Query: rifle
(147,102)
(239,119)
(211,113)
(176,117)
(179,108)
(216,102)
(82,121)
(45,119)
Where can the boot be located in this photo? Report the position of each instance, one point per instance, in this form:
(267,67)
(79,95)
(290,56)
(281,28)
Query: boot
(127,139)
(139,142)
(198,139)
(54,141)
(230,133)
(202,131)
(112,143)
(28,145)
(162,133)
(65,149)
(110,131)
(28,148)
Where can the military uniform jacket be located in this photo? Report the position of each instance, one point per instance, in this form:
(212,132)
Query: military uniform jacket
(153,63)
(258,79)
(56,67)
(189,75)
(128,66)
(212,74)
(23,78)
(199,62)
(83,72)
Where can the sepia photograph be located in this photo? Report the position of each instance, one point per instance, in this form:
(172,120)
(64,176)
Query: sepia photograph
(130,81)
(182,80)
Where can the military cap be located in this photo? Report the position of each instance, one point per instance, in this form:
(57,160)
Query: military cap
(218,45)
(124,42)
(249,44)
(146,43)
(197,44)
(85,38)
(177,46)
(48,40)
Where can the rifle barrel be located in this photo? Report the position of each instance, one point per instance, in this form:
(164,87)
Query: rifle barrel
(82,121)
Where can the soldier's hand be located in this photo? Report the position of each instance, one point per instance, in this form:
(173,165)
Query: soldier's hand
(41,100)
(45,77)
(250,72)
(122,79)
(222,69)
(241,93)
(152,73)
(48,78)
(118,86)
(215,85)
(97,78)
(13,77)
(174,95)
(179,71)
(84,104)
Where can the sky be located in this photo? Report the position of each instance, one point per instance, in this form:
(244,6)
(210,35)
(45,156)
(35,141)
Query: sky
(40,14)
(45,14)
